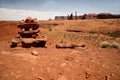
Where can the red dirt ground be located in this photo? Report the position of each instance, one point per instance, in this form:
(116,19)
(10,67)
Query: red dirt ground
(89,63)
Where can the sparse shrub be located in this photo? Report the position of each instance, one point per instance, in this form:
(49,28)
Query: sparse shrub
(114,34)
(55,24)
(50,29)
(92,32)
(115,45)
(63,41)
(111,34)
(105,44)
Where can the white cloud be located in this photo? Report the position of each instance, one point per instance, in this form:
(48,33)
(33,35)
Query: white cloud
(14,14)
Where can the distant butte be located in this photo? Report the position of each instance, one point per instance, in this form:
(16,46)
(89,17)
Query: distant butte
(88,16)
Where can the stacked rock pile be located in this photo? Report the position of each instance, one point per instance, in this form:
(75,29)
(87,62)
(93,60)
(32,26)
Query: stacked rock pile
(29,34)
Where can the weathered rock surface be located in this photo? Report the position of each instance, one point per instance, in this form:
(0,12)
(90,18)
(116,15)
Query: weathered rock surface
(35,53)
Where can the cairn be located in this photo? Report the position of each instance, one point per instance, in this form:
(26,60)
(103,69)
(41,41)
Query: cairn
(29,34)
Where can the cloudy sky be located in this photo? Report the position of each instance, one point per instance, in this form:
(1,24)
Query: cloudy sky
(45,9)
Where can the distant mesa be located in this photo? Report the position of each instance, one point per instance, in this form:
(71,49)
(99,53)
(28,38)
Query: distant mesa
(88,16)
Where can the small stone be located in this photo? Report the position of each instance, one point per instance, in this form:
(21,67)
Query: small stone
(40,78)
(73,52)
(16,48)
(63,64)
(33,68)
(62,78)
(104,66)
(89,66)
(34,53)
(76,60)
(5,52)
(80,48)
(12,73)
(19,45)
(18,76)
(60,73)
(92,61)
(112,74)
(87,75)
(48,69)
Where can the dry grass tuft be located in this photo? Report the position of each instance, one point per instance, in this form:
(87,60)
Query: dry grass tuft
(115,45)
(106,44)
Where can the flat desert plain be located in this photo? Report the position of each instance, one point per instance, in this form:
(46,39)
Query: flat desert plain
(82,63)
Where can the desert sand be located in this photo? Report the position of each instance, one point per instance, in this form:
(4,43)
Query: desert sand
(81,63)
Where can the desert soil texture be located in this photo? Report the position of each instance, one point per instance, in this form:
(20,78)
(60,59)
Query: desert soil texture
(94,61)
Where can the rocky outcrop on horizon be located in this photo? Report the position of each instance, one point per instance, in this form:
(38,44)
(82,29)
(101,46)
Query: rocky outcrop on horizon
(89,16)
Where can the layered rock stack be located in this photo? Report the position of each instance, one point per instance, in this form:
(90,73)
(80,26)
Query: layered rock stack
(29,28)
(29,34)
